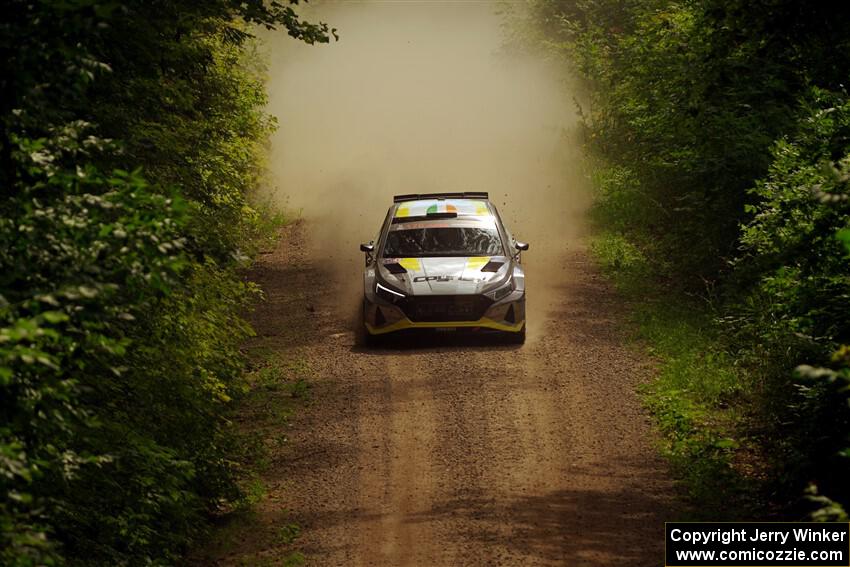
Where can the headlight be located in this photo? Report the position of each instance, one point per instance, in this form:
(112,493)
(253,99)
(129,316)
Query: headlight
(388,294)
(502,291)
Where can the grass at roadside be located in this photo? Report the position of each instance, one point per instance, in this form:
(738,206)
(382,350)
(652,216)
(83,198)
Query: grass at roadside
(270,219)
(274,389)
(698,398)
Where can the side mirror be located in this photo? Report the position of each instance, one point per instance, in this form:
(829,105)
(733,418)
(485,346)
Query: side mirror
(521,246)
(369,249)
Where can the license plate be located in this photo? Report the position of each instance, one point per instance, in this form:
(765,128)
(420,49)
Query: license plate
(432,310)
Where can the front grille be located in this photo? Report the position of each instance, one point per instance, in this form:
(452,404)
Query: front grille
(432,308)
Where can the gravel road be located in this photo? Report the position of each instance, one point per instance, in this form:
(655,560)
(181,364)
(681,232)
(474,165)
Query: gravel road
(458,453)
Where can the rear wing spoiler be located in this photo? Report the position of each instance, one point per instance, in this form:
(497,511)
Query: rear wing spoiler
(421,196)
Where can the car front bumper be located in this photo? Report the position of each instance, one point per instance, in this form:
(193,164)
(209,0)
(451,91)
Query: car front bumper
(507,315)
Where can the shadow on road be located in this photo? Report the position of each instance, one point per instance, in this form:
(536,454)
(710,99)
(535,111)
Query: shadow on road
(568,527)
(419,340)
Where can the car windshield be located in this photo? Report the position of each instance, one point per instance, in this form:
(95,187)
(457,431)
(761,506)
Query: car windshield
(414,241)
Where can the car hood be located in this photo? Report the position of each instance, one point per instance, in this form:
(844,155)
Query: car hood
(444,276)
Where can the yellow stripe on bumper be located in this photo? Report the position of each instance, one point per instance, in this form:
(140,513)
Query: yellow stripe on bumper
(406,323)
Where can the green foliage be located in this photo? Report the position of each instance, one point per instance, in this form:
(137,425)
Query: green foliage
(790,244)
(697,393)
(84,258)
(133,135)
(796,285)
(271,392)
(688,99)
(617,254)
(721,136)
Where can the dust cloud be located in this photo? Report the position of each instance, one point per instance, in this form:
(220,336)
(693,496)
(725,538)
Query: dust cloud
(420,97)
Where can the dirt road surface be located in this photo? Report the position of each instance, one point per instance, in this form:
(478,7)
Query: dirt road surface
(457,453)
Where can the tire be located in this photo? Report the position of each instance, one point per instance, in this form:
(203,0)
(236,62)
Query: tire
(517,338)
(372,341)
(365,338)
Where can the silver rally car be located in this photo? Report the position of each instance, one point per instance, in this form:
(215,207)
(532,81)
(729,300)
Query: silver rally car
(444,261)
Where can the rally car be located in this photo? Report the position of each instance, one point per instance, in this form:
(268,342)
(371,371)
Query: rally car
(445,262)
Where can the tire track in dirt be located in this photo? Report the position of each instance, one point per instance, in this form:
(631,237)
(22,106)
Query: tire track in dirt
(450,453)
(403,487)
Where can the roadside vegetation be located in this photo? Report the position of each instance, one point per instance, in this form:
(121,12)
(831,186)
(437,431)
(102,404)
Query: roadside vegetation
(133,138)
(274,388)
(719,137)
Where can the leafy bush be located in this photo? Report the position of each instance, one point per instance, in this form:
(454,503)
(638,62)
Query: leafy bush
(790,245)
(797,278)
(720,130)
(132,137)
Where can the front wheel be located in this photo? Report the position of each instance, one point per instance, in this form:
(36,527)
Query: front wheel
(372,341)
(365,338)
(517,338)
